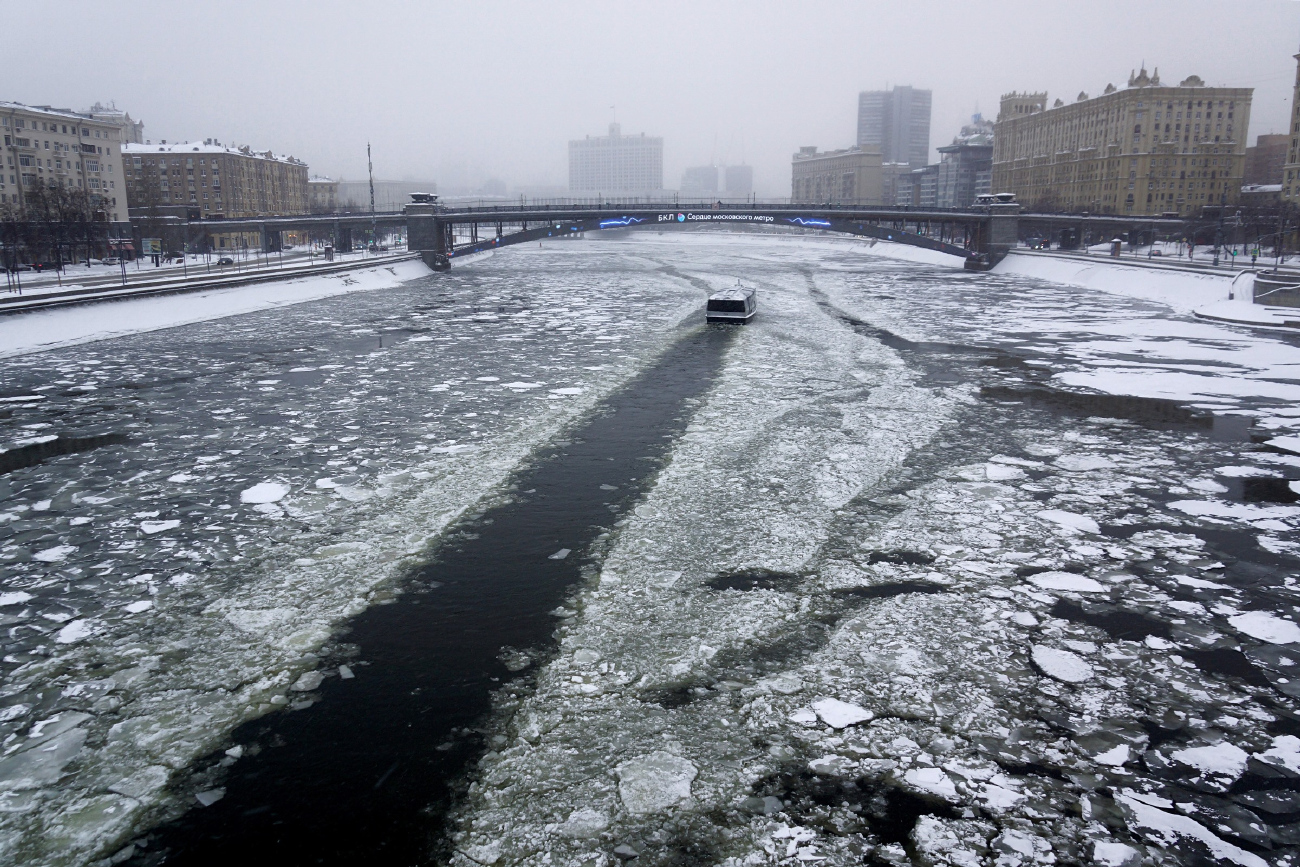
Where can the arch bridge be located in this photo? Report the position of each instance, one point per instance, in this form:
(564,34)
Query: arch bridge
(443,234)
(980,236)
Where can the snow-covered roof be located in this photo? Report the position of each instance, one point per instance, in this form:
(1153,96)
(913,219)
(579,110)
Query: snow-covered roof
(65,113)
(321,179)
(198,147)
(1262,188)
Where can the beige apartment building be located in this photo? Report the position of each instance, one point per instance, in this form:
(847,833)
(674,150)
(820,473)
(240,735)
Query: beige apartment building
(1146,149)
(58,147)
(322,195)
(852,176)
(216,181)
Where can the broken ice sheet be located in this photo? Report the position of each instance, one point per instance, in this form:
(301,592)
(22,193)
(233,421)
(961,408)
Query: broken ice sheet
(203,496)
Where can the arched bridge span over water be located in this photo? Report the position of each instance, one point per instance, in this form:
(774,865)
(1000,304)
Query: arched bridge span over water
(442,235)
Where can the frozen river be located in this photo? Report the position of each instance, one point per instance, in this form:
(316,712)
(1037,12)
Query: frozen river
(924,566)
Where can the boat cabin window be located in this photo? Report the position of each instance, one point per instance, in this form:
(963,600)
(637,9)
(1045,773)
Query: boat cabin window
(723,305)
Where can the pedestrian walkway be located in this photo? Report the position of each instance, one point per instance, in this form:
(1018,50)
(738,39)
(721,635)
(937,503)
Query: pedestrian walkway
(53,296)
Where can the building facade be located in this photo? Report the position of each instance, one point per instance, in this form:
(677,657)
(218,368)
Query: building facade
(896,122)
(55,147)
(1266,161)
(389,195)
(739,180)
(845,177)
(919,188)
(616,164)
(1145,149)
(216,181)
(322,195)
(700,180)
(965,166)
(132,131)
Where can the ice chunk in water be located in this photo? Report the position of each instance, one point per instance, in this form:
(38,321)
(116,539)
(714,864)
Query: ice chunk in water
(932,781)
(55,554)
(210,797)
(584,824)
(264,492)
(1266,627)
(1061,664)
(74,631)
(1066,581)
(142,783)
(1224,761)
(1083,463)
(308,681)
(1285,753)
(1070,520)
(41,764)
(151,527)
(1167,828)
(15,598)
(1110,854)
(655,782)
(560,554)
(838,714)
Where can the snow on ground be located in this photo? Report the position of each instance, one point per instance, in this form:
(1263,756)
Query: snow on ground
(68,326)
(1180,289)
(273,473)
(1025,690)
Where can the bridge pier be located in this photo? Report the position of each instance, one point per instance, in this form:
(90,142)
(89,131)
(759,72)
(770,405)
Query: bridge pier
(994,237)
(425,233)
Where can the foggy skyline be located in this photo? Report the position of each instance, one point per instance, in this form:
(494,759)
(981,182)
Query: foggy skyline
(459,94)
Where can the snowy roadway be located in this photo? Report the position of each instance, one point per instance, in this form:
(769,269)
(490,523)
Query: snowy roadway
(900,595)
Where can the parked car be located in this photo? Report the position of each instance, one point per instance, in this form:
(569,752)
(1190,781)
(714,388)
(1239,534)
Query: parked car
(1156,253)
(173,255)
(225,260)
(112,260)
(19,266)
(287,247)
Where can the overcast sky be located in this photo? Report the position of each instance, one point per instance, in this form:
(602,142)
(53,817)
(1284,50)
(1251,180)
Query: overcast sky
(460,92)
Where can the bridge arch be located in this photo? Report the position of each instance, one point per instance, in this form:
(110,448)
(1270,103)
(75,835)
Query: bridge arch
(899,226)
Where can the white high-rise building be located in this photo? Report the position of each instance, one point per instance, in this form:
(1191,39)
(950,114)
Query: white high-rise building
(616,164)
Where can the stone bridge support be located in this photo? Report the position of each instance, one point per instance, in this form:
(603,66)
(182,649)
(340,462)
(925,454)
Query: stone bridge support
(995,236)
(426,234)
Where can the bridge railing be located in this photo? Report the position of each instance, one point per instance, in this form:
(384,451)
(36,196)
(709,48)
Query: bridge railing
(732,207)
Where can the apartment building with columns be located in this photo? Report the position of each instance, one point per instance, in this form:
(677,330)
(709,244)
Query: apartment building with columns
(1148,148)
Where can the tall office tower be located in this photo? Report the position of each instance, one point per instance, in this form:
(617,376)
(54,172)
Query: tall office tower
(739,180)
(896,122)
(700,179)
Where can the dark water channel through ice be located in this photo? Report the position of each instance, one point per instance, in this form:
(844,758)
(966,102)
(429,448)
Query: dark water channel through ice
(365,775)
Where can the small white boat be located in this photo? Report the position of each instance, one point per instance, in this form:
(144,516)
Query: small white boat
(737,306)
